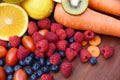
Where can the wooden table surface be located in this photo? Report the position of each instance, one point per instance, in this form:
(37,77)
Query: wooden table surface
(106,69)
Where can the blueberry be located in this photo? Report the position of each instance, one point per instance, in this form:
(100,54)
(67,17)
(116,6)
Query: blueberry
(93,60)
(45,69)
(16,67)
(55,68)
(29,70)
(48,62)
(9,70)
(71,40)
(2,63)
(35,66)
(22,63)
(10,77)
(33,77)
(29,60)
(32,55)
(9,45)
(42,61)
(62,53)
(39,73)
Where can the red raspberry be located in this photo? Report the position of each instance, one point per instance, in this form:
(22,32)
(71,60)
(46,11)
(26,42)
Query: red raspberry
(76,46)
(107,51)
(84,55)
(51,37)
(46,77)
(14,41)
(39,54)
(66,69)
(55,26)
(62,45)
(61,34)
(22,53)
(89,35)
(51,49)
(44,23)
(37,37)
(55,58)
(70,32)
(70,54)
(78,37)
(42,45)
(32,28)
(3,43)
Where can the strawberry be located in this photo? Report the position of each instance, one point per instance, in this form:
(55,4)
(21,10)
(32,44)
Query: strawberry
(66,69)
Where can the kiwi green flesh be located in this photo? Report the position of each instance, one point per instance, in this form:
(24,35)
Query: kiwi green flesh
(75,10)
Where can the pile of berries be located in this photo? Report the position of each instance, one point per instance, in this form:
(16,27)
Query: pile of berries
(42,50)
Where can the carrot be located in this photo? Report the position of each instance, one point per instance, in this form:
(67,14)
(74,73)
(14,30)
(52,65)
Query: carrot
(89,20)
(107,6)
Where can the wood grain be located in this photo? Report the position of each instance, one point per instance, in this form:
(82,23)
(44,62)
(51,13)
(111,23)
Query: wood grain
(106,69)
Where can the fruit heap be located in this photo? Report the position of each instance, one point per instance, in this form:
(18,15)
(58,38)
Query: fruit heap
(45,47)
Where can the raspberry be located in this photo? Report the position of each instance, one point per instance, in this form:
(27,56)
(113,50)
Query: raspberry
(42,45)
(39,54)
(46,77)
(14,41)
(37,37)
(89,35)
(66,69)
(107,51)
(55,26)
(55,58)
(62,45)
(51,49)
(70,54)
(78,37)
(44,23)
(76,46)
(3,43)
(51,37)
(22,53)
(84,55)
(61,34)
(70,32)
(32,28)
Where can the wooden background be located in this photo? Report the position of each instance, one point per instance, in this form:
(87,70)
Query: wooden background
(105,69)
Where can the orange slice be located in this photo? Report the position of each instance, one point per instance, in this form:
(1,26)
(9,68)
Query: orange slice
(13,20)
(95,41)
(94,51)
(84,43)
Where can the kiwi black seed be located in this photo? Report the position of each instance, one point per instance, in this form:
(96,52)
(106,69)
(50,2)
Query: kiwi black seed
(75,7)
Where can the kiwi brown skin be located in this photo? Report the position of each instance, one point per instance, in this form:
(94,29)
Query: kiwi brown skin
(76,9)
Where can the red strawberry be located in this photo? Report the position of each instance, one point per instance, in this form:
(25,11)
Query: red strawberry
(22,53)
(66,69)
(46,77)
(55,58)
(70,54)
(32,27)
(14,41)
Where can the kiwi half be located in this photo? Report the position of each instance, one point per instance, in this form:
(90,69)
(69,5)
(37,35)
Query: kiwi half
(75,7)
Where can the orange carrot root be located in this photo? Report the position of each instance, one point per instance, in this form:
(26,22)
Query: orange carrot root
(107,6)
(89,20)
